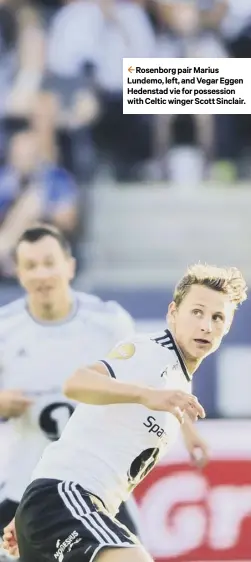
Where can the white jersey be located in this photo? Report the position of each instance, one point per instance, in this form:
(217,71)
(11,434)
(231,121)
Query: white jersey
(109,449)
(37,358)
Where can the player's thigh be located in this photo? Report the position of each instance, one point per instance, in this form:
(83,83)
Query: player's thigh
(134,554)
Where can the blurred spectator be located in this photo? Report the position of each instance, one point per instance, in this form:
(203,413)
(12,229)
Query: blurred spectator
(29,59)
(8,61)
(31,190)
(8,50)
(233,141)
(236,28)
(47,8)
(125,140)
(81,93)
(184,143)
(67,100)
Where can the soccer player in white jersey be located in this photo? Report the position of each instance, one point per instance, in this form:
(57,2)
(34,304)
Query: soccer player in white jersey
(132,404)
(43,339)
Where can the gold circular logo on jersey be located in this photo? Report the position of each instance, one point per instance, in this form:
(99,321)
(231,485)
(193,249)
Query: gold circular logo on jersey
(123,351)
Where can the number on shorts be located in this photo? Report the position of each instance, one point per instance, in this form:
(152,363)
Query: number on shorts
(141,466)
(54,418)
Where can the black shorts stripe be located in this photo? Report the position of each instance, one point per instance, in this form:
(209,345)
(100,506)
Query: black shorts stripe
(87,504)
(110,369)
(110,531)
(112,523)
(78,513)
(94,518)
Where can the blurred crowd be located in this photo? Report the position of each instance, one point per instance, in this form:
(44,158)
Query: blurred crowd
(61,121)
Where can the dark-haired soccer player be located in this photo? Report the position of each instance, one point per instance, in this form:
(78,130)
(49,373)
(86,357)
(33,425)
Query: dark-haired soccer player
(43,338)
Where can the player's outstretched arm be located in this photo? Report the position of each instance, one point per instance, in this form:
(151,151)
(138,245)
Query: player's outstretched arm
(93,385)
(195,444)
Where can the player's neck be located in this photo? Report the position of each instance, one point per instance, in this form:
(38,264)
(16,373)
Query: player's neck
(191,363)
(55,311)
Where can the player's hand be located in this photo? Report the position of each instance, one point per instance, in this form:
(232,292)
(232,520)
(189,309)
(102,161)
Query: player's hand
(197,448)
(176,402)
(10,539)
(13,403)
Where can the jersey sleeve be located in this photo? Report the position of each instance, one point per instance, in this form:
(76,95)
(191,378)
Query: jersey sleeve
(136,360)
(122,325)
(2,344)
(9,316)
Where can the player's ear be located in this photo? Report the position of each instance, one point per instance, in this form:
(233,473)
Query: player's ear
(228,326)
(171,313)
(72,268)
(229,321)
(18,274)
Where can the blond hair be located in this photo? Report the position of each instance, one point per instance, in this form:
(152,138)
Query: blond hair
(225,280)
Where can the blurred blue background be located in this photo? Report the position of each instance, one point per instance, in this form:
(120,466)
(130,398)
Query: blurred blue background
(139,197)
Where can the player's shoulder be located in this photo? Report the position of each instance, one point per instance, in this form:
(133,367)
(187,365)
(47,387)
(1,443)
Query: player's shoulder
(11,314)
(155,350)
(91,302)
(12,309)
(143,342)
(144,355)
(110,312)
(161,338)
(155,345)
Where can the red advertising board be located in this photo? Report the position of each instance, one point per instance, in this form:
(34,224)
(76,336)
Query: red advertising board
(191,515)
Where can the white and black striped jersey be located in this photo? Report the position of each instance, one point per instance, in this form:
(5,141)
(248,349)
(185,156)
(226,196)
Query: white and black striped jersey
(109,449)
(36,358)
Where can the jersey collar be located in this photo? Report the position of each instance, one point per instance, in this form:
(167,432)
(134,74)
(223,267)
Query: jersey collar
(71,315)
(178,353)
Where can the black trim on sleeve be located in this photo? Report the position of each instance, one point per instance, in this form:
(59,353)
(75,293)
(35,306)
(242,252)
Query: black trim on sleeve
(109,368)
